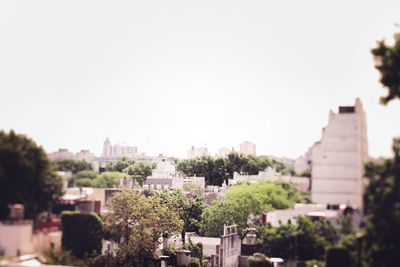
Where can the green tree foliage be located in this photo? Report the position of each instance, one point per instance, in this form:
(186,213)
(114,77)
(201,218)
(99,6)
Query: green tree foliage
(244,199)
(82,174)
(137,169)
(120,165)
(306,173)
(141,170)
(278,241)
(387,59)
(338,257)
(195,262)
(108,179)
(219,170)
(196,255)
(81,233)
(73,165)
(84,182)
(383,211)
(26,176)
(171,253)
(306,241)
(189,210)
(187,187)
(258,260)
(137,222)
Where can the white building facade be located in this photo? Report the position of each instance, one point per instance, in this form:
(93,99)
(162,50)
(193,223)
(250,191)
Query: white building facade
(337,159)
(248,148)
(197,152)
(118,150)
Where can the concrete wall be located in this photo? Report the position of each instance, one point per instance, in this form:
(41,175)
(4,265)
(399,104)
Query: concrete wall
(231,246)
(337,160)
(16,237)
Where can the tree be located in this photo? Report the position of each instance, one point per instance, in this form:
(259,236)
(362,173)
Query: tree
(84,182)
(82,174)
(219,170)
(81,233)
(189,210)
(387,61)
(258,260)
(197,189)
(140,170)
(120,165)
(73,165)
(305,241)
(278,241)
(26,176)
(108,179)
(383,211)
(244,199)
(338,257)
(137,222)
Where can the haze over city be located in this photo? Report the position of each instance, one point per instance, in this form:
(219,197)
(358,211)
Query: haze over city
(166,75)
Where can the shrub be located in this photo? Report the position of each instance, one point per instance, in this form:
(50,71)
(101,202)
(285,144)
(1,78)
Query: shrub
(81,233)
(171,253)
(195,262)
(258,260)
(84,182)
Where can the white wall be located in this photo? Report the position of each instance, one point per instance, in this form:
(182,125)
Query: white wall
(16,237)
(337,160)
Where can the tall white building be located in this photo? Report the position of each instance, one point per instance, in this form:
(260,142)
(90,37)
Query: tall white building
(248,148)
(223,152)
(118,150)
(337,159)
(197,152)
(61,154)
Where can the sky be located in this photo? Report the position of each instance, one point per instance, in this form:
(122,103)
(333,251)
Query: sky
(168,75)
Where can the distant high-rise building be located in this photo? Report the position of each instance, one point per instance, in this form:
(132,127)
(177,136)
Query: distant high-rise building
(85,155)
(223,152)
(118,150)
(248,148)
(107,149)
(337,160)
(197,152)
(61,154)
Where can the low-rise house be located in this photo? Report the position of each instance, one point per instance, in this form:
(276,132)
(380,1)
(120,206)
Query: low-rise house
(313,211)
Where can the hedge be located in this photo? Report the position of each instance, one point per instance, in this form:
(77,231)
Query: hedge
(81,232)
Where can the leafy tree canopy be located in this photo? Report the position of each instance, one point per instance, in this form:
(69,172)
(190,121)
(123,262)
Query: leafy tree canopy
(137,222)
(387,61)
(108,179)
(26,175)
(305,241)
(189,210)
(244,199)
(218,170)
(81,233)
(139,170)
(382,210)
(73,165)
(120,165)
(86,174)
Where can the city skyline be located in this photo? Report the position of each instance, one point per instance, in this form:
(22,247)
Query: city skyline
(167,76)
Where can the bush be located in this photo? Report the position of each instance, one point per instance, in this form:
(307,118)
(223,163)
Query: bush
(195,262)
(171,253)
(258,260)
(338,257)
(81,233)
(84,182)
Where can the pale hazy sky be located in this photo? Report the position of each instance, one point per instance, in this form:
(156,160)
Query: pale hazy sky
(166,75)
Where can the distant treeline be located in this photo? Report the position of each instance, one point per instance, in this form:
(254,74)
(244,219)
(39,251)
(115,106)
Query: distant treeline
(218,170)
